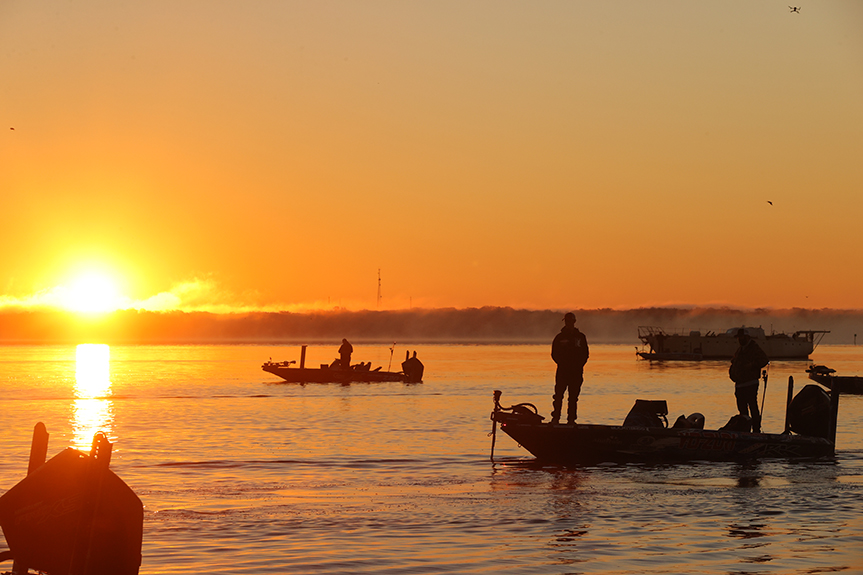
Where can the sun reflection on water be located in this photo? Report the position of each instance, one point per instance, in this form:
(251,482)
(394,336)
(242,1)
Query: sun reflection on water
(93,409)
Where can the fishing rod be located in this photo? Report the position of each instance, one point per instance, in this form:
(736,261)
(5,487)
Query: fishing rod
(392,349)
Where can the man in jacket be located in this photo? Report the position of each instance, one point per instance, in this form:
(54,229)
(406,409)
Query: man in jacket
(745,370)
(345,352)
(570,352)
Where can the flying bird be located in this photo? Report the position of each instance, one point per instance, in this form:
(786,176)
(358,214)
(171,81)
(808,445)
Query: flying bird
(769,202)
(795,9)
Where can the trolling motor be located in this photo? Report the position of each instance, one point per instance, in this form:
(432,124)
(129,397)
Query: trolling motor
(521,412)
(518,413)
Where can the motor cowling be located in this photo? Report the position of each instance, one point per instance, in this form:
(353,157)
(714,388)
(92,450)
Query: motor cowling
(413,369)
(809,412)
(69,515)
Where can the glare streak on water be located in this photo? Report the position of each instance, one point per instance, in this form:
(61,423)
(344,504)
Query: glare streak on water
(242,474)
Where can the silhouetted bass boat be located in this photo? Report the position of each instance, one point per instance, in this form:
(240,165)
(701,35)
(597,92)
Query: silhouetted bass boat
(810,431)
(412,372)
(846,383)
(697,346)
(71,514)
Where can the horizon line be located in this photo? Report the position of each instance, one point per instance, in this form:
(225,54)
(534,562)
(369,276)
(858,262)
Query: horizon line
(225,310)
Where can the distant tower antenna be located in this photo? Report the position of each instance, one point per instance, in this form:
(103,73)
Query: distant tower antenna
(379,288)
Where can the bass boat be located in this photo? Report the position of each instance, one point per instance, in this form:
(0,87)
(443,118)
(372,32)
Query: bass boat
(645,436)
(846,383)
(412,371)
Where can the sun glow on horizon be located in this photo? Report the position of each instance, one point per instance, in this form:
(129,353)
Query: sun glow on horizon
(92,292)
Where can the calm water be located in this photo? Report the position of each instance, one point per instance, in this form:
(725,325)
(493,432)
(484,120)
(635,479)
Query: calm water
(241,474)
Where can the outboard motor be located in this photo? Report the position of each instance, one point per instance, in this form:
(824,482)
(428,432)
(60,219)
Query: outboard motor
(647,413)
(413,369)
(73,516)
(809,412)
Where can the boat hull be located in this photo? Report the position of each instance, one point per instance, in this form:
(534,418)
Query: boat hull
(696,346)
(331,375)
(590,444)
(852,384)
(668,356)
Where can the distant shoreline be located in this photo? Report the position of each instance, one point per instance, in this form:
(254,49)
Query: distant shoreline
(486,325)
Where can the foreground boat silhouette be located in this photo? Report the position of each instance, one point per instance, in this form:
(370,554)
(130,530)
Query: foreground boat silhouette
(72,515)
(810,431)
(412,372)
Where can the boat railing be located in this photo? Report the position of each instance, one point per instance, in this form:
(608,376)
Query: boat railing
(646,331)
(813,335)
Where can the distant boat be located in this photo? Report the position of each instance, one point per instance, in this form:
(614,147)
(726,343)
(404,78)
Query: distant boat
(697,346)
(645,436)
(412,372)
(825,376)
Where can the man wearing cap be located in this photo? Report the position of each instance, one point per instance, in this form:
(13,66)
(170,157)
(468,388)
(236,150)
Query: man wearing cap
(745,370)
(345,352)
(569,351)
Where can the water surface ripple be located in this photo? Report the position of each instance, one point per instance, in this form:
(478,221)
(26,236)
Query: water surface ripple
(242,474)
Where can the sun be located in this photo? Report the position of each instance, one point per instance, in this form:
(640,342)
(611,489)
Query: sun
(92,292)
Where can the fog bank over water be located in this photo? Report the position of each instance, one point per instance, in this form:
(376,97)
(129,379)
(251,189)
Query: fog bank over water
(480,325)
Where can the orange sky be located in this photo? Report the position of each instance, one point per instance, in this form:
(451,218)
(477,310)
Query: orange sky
(274,155)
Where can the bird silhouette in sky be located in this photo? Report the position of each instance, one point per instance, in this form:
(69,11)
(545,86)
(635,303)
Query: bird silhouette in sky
(769,202)
(795,9)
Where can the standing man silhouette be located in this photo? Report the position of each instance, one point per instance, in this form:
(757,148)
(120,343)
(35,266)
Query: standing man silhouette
(570,352)
(345,352)
(744,371)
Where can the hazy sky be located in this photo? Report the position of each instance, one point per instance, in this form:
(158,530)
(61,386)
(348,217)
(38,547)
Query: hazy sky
(276,154)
